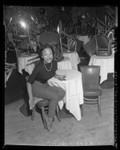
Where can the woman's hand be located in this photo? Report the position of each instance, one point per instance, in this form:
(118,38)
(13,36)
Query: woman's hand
(60,77)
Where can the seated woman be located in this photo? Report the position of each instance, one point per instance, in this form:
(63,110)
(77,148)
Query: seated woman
(37,83)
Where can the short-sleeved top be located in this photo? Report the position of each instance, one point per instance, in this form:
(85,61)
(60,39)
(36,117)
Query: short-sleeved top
(41,74)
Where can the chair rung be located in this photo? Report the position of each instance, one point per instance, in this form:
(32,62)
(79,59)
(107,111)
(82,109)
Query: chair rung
(90,103)
(91,99)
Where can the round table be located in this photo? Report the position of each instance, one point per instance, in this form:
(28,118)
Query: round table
(106,64)
(74,90)
(25,62)
(64,64)
(74,58)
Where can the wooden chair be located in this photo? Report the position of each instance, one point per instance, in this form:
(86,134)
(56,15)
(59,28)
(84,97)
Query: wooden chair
(68,42)
(90,47)
(8,71)
(50,38)
(42,104)
(91,89)
(103,46)
(8,68)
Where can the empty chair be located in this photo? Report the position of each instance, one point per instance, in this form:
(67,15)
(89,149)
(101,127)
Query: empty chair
(72,44)
(103,46)
(68,42)
(90,47)
(79,45)
(8,68)
(50,38)
(91,89)
(47,38)
(10,38)
(8,71)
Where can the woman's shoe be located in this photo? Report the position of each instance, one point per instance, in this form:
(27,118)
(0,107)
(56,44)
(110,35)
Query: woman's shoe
(49,122)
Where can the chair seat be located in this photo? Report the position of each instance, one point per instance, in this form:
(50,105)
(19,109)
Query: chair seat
(42,103)
(103,53)
(91,97)
(102,49)
(92,91)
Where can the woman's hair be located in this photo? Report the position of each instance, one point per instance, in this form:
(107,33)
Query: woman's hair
(44,47)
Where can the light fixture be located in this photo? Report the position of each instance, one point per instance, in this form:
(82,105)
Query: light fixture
(58,30)
(62,8)
(83,16)
(10,19)
(116,21)
(23,24)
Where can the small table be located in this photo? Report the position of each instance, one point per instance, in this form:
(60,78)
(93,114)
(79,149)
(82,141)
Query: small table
(25,62)
(106,64)
(64,64)
(74,58)
(74,90)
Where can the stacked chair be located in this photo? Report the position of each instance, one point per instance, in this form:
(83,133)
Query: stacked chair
(91,88)
(90,47)
(103,46)
(100,45)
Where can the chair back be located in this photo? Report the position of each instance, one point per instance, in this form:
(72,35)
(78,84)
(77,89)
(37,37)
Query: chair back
(79,45)
(103,46)
(8,71)
(49,38)
(90,75)
(68,42)
(90,47)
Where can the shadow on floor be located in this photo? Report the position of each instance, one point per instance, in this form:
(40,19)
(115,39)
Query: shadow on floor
(16,87)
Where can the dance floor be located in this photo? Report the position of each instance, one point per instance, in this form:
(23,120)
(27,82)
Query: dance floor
(90,130)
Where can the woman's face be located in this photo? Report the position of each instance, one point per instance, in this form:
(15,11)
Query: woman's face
(47,55)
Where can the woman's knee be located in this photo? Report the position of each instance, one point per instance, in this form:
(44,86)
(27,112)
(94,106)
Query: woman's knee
(61,93)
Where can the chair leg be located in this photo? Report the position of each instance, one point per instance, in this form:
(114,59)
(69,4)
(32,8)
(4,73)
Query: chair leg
(43,117)
(33,114)
(81,108)
(99,107)
(57,113)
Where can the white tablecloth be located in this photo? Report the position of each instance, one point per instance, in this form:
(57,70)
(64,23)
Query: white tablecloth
(106,64)
(23,63)
(64,64)
(74,91)
(74,58)
(85,38)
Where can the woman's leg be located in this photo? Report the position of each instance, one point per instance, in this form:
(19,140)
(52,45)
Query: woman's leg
(54,94)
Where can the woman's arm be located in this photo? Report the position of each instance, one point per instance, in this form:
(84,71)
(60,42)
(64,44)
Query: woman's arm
(60,77)
(30,81)
(29,89)
(30,94)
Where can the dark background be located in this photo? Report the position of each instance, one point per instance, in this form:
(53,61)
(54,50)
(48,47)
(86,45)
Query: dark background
(16,85)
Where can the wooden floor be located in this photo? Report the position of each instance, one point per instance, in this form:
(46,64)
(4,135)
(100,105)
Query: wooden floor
(90,130)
